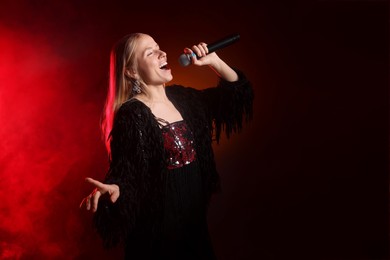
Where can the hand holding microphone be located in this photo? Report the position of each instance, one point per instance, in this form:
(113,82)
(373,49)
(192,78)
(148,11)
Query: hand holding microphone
(198,55)
(201,50)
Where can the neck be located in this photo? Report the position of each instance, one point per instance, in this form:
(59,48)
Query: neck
(153,94)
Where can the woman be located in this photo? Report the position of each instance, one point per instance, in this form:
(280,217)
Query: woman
(162,172)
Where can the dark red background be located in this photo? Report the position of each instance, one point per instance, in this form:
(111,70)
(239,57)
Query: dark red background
(306,179)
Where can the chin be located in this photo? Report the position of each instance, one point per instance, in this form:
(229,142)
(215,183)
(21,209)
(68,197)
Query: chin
(169,79)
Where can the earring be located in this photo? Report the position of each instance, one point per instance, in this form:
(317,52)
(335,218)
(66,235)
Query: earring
(136,87)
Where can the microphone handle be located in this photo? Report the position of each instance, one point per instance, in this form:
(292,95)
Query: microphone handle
(185,59)
(228,40)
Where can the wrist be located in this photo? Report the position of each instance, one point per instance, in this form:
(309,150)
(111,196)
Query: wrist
(216,64)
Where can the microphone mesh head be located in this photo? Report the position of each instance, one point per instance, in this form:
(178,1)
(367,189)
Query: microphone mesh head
(184,60)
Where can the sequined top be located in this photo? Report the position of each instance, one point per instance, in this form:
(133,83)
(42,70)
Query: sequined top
(178,143)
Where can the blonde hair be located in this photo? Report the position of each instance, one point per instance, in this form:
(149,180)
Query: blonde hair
(122,57)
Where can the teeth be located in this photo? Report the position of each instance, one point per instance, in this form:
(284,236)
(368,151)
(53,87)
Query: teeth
(163,64)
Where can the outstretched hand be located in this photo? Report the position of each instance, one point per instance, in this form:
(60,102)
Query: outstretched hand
(91,201)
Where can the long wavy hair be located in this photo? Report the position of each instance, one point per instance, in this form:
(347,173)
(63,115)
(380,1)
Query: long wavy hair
(120,85)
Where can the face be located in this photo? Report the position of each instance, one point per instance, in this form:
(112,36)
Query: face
(152,62)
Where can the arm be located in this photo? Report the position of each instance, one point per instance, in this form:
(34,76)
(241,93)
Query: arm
(232,100)
(114,219)
(224,71)
(220,67)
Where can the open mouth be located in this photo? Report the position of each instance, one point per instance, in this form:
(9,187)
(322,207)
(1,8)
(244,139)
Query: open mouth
(164,66)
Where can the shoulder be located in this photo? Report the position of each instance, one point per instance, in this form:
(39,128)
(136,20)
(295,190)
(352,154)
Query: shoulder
(179,92)
(132,108)
(180,89)
(132,113)
(132,105)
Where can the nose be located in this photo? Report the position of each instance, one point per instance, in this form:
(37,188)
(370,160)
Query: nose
(162,54)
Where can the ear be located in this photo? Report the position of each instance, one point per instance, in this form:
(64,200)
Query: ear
(131,73)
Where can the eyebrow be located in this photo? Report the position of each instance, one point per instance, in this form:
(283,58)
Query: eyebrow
(151,48)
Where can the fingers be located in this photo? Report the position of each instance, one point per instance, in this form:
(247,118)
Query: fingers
(114,193)
(83,203)
(86,202)
(201,49)
(97,184)
(95,200)
(91,201)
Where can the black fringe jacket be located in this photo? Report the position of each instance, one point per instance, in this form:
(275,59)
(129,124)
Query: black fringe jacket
(138,164)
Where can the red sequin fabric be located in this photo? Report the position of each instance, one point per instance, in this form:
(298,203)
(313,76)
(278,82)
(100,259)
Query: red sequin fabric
(179,144)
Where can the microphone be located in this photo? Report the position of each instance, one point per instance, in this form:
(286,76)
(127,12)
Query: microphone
(185,59)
